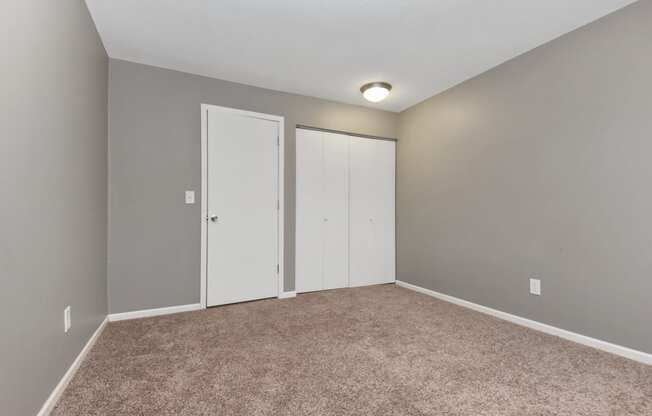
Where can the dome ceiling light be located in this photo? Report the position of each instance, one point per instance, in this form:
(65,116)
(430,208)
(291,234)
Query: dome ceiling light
(375,91)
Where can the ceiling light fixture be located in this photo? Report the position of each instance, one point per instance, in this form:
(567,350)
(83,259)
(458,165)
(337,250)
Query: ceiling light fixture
(375,91)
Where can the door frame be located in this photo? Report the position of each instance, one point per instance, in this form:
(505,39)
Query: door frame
(203,278)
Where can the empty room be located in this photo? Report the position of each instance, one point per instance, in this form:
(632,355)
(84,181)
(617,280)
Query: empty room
(342,207)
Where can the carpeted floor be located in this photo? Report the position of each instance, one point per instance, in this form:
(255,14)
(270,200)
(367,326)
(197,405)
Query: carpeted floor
(378,350)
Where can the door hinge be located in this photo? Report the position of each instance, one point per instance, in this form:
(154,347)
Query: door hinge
(278,205)
(278,269)
(278,140)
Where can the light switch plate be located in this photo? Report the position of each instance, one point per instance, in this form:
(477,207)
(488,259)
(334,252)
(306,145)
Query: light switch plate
(535,287)
(67,319)
(190,197)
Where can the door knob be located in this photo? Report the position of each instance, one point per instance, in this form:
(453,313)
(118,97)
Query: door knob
(213,218)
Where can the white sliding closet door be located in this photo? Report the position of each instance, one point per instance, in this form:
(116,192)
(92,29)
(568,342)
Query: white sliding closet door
(322,210)
(372,211)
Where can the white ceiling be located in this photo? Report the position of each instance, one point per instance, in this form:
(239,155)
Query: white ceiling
(329,48)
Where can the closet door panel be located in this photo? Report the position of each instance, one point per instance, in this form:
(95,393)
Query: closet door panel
(309,211)
(385,214)
(335,207)
(372,211)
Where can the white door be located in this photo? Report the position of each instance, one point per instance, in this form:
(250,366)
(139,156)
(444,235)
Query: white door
(322,207)
(372,211)
(309,211)
(336,210)
(242,188)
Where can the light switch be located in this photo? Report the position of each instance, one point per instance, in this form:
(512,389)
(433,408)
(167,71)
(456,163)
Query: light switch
(67,319)
(190,197)
(535,287)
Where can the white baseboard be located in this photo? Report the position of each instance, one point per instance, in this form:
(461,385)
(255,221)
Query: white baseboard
(632,354)
(146,313)
(51,402)
(287,295)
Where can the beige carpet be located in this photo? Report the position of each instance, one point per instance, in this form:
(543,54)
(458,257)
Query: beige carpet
(379,350)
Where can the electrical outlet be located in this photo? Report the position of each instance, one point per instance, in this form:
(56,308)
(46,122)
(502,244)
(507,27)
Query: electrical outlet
(190,197)
(535,287)
(67,320)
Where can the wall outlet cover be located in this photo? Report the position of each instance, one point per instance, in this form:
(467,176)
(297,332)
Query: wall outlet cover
(190,197)
(535,287)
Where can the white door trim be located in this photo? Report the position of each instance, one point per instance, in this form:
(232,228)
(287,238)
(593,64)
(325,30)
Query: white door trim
(204,192)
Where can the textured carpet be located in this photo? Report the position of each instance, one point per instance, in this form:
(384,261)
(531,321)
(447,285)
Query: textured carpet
(379,350)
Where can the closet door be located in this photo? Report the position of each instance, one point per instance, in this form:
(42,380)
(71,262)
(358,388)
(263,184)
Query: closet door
(335,205)
(372,216)
(309,211)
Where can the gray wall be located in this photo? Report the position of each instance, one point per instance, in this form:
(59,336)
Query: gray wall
(53,188)
(540,167)
(154,155)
